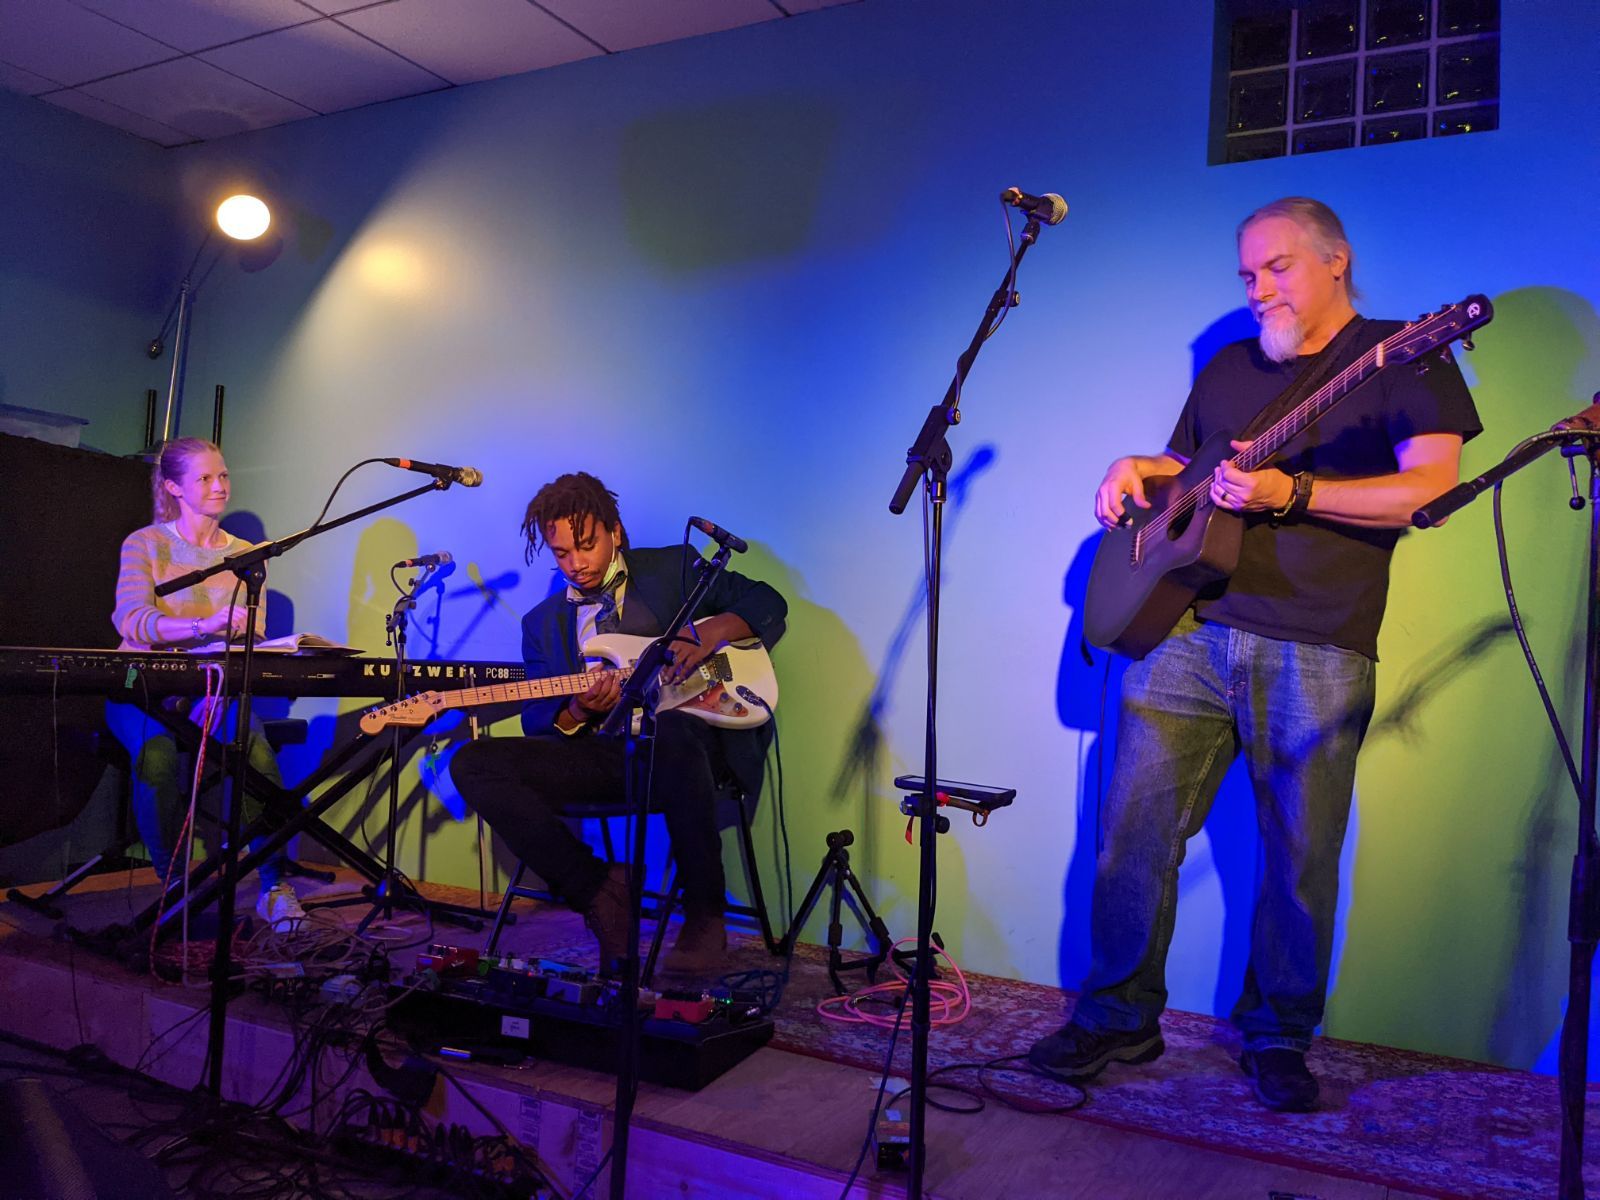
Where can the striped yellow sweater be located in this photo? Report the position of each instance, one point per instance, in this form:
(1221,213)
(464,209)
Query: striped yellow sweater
(154,555)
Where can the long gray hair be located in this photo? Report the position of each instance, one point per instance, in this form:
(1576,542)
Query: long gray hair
(1320,222)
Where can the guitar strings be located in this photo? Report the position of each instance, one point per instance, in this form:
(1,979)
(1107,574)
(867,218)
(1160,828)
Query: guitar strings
(1266,444)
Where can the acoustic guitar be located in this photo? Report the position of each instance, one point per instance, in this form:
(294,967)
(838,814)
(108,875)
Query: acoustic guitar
(1149,569)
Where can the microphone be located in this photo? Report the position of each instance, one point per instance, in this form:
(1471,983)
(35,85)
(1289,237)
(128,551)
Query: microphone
(719,535)
(1049,208)
(465,476)
(424,560)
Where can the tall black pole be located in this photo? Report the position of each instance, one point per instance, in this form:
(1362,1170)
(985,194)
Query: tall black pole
(254,577)
(929,460)
(397,633)
(638,753)
(150,419)
(928,860)
(216,415)
(1583,918)
(1579,435)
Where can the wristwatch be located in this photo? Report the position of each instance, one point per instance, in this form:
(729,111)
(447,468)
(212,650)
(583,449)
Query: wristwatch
(1299,498)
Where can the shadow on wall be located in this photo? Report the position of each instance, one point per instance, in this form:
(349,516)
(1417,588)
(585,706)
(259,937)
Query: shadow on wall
(854,766)
(1088,691)
(822,675)
(727,183)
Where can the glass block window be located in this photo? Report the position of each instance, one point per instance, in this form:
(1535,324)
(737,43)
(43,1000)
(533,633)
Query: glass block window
(1302,76)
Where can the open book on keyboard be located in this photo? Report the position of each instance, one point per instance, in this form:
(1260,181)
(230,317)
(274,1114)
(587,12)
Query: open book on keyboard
(294,643)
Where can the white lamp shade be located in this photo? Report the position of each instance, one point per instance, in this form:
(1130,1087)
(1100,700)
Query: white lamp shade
(243,218)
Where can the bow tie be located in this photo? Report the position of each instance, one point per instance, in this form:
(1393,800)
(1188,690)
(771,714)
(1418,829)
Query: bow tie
(605,595)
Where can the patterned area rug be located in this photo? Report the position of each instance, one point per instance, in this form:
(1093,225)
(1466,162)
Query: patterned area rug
(1415,1122)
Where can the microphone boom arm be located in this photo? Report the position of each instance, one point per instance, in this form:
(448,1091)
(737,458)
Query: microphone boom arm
(259,554)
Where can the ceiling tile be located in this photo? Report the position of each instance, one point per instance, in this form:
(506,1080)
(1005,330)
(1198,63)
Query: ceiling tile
(109,114)
(15,79)
(200,24)
(472,40)
(625,24)
(61,41)
(197,98)
(324,66)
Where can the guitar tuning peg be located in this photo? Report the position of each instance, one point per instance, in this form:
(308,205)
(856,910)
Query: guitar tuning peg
(1466,343)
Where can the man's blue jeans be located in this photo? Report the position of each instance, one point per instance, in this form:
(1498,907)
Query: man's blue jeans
(1298,713)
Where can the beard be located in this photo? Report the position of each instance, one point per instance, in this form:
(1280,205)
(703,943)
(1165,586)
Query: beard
(1282,336)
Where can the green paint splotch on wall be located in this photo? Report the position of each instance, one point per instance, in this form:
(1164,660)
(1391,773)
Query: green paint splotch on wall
(1457,929)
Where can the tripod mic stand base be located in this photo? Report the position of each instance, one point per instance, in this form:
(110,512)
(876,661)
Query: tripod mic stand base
(836,874)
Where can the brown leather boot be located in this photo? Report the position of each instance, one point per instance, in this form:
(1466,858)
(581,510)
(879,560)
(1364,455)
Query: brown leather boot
(607,918)
(702,945)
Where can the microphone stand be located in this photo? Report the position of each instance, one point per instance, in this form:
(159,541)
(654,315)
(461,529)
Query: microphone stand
(383,900)
(1583,913)
(638,757)
(930,457)
(251,568)
(395,626)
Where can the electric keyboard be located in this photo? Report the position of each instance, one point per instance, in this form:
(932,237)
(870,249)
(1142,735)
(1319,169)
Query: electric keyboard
(116,673)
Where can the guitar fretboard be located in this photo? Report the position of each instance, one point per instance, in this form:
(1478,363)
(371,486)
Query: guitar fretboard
(531,689)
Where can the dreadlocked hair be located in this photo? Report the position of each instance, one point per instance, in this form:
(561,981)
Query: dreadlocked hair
(577,497)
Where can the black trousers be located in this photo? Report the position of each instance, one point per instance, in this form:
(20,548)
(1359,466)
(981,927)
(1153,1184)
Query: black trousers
(525,787)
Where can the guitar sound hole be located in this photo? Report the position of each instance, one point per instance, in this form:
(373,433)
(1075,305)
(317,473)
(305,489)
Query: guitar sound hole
(1180,522)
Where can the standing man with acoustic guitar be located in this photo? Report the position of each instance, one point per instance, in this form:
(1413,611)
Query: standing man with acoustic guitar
(522,785)
(1275,662)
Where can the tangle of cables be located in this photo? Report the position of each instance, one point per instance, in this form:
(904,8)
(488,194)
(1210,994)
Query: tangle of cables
(949,1003)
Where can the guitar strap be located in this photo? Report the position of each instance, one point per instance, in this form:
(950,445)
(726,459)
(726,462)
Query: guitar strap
(1309,381)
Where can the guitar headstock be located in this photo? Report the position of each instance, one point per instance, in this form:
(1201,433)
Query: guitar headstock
(413,711)
(1435,329)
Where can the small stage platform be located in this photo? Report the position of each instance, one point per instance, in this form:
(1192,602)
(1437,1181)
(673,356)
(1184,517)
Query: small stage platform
(789,1121)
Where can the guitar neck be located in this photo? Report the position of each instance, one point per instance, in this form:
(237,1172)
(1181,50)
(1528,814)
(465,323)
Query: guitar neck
(527,689)
(1300,418)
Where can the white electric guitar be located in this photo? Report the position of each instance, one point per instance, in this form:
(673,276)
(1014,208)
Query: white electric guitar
(734,688)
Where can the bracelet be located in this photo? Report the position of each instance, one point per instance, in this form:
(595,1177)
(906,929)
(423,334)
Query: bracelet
(195,625)
(1299,498)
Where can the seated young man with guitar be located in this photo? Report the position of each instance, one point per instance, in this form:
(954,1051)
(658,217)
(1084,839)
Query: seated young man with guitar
(522,786)
(1275,660)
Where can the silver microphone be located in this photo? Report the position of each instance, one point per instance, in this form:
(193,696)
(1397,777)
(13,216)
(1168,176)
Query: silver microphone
(465,476)
(424,560)
(1049,208)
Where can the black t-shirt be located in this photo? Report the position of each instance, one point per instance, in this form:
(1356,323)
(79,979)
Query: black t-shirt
(1311,580)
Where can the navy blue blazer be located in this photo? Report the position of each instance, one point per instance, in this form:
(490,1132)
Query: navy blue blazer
(657,576)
